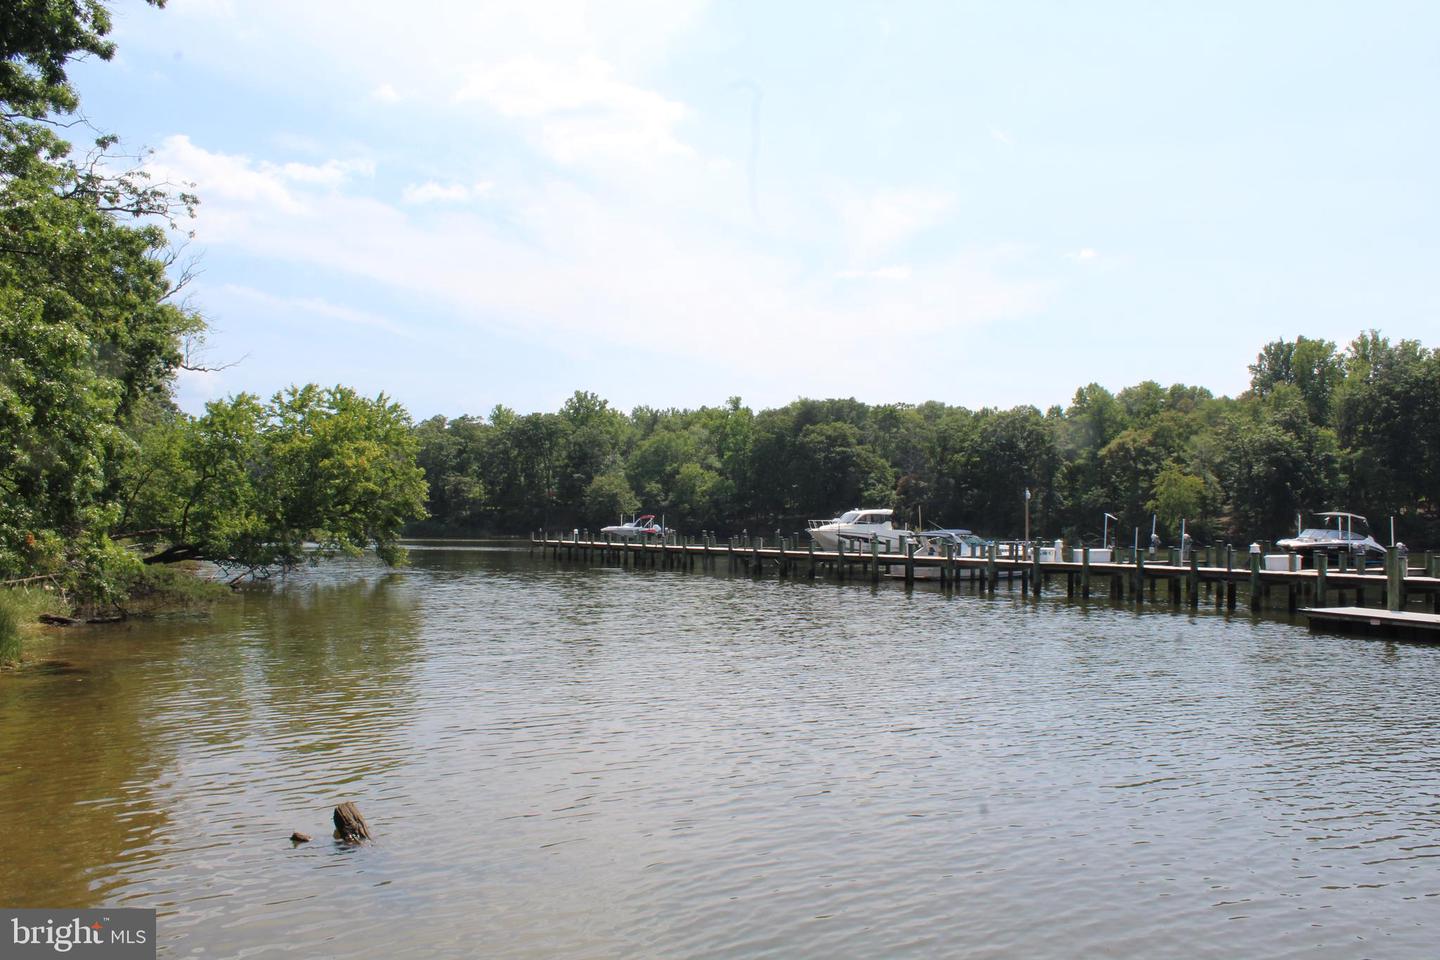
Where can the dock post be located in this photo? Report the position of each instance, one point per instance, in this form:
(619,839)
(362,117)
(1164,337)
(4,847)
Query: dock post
(991,568)
(811,548)
(1395,579)
(1085,573)
(1139,590)
(840,559)
(1322,564)
(909,562)
(1255,581)
(875,560)
(1193,581)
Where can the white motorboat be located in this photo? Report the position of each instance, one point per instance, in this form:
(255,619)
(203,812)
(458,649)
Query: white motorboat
(857,529)
(641,526)
(1339,533)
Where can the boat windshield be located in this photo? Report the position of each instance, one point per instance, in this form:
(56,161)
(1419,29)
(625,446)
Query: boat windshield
(1327,533)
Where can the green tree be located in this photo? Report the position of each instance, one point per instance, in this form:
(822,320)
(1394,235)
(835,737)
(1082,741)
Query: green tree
(608,498)
(1178,496)
(249,485)
(1311,366)
(88,333)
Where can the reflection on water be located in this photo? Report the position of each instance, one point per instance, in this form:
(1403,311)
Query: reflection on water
(587,762)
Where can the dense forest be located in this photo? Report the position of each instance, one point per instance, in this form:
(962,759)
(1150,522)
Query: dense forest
(1320,427)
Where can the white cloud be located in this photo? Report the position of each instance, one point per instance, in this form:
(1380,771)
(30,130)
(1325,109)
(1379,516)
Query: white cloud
(1002,136)
(247,184)
(316,306)
(881,273)
(195,388)
(579,110)
(638,232)
(1083,254)
(877,223)
(338,46)
(434,192)
(558,264)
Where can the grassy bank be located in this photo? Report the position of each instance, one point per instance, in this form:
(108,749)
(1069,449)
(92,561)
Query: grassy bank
(20,611)
(154,590)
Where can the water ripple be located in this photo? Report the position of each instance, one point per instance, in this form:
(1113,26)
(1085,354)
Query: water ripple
(578,761)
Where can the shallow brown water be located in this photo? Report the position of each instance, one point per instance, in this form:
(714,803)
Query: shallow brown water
(586,762)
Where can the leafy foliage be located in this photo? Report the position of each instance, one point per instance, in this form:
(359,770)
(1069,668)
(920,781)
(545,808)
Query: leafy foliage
(94,458)
(249,485)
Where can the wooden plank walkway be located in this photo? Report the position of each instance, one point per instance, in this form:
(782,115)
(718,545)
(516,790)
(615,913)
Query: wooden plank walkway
(1384,623)
(1394,586)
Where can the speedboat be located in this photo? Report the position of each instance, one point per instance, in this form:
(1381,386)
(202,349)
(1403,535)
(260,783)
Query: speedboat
(641,526)
(857,529)
(932,543)
(1339,533)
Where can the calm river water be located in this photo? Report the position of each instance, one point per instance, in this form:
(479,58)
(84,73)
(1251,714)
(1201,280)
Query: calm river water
(574,761)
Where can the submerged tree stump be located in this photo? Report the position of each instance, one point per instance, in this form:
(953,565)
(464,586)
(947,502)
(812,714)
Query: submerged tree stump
(350,825)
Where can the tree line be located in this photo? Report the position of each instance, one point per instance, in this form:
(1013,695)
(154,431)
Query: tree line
(1320,427)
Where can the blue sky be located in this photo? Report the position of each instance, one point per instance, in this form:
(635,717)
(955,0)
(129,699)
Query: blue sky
(467,204)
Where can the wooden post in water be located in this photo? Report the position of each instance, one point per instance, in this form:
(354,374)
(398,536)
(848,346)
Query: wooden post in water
(1085,573)
(1255,581)
(811,548)
(991,568)
(1395,585)
(350,825)
(1139,589)
(875,560)
(1193,581)
(1322,565)
(909,561)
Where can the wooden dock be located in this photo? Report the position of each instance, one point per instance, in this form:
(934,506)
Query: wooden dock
(1384,623)
(1213,575)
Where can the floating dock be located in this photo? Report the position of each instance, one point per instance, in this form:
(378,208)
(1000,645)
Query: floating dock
(1210,575)
(1402,624)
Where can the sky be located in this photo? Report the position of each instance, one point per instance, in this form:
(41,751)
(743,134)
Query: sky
(672,203)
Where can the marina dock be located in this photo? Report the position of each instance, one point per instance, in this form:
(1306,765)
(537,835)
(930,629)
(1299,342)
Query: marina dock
(1216,575)
(1385,623)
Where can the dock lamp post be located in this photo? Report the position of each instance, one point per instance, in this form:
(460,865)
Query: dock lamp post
(1105,534)
(1027,514)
